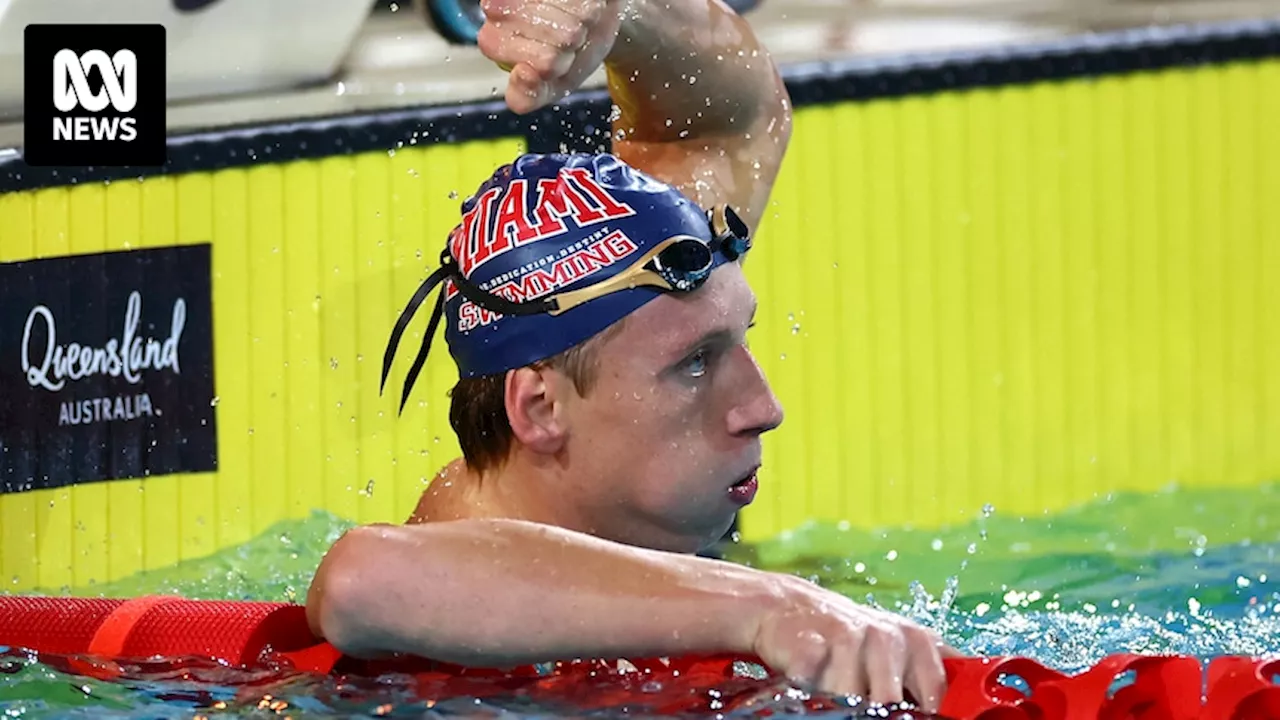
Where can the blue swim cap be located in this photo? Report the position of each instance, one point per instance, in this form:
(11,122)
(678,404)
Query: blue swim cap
(546,225)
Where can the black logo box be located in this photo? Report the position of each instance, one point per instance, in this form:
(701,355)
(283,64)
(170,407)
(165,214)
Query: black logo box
(41,42)
(142,413)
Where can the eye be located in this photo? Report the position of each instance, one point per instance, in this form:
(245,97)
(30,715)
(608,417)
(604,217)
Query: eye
(696,365)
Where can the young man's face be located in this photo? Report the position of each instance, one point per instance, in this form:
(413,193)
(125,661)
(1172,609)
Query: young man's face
(673,421)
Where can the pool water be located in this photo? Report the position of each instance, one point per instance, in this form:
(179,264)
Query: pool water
(1182,571)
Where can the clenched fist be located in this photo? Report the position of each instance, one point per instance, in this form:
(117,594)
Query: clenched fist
(551,46)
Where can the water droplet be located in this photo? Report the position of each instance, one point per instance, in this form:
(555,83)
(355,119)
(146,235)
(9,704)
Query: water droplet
(368,489)
(988,510)
(250,431)
(284,538)
(891,556)
(936,544)
(214,402)
(973,548)
(333,363)
(391,152)
(453,194)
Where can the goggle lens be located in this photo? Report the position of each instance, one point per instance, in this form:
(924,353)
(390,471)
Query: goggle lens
(684,263)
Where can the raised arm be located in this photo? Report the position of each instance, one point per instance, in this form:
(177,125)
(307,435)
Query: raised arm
(702,104)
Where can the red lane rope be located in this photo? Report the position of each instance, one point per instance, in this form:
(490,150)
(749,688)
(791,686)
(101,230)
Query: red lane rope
(110,638)
(1120,687)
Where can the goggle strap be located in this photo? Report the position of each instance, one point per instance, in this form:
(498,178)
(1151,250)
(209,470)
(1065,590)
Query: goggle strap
(730,235)
(406,316)
(421,359)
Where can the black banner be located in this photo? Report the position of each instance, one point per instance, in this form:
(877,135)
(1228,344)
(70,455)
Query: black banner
(106,367)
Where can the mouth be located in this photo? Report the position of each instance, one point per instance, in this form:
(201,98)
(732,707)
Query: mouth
(744,491)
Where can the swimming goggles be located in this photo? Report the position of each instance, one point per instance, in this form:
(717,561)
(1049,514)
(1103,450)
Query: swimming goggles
(681,263)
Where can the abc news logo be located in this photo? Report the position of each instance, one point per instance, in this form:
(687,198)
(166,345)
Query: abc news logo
(71,91)
(94,95)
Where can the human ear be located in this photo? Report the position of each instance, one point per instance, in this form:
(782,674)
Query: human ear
(532,410)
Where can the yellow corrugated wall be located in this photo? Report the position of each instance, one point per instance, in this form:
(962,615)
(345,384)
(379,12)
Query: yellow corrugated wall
(1028,296)
(312,262)
(1025,296)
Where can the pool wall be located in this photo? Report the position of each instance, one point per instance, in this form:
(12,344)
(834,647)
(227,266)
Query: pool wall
(1025,278)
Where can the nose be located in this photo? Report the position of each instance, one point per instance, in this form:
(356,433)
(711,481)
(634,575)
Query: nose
(756,410)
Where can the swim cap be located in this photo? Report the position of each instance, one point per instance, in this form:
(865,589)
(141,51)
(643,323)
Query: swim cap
(546,226)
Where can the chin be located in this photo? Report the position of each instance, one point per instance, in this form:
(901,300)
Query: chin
(714,536)
(694,539)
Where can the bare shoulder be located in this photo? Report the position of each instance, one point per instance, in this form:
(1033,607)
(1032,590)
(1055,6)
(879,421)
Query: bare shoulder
(445,497)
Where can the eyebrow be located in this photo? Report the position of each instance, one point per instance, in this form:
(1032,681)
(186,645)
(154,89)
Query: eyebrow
(719,336)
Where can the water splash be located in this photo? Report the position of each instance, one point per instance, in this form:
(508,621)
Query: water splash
(1129,573)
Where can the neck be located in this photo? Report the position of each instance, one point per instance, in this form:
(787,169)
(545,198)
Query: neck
(535,490)
(522,488)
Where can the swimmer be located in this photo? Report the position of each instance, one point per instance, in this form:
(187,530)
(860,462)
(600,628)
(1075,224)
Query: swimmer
(608,409)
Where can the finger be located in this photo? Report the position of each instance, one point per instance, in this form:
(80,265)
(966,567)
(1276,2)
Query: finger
(552,26)
(500,45)
(808,660)
(926,677)
(498,9)
(844,674)
(949,653)
(884,656)
(526,91)
(586,11)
